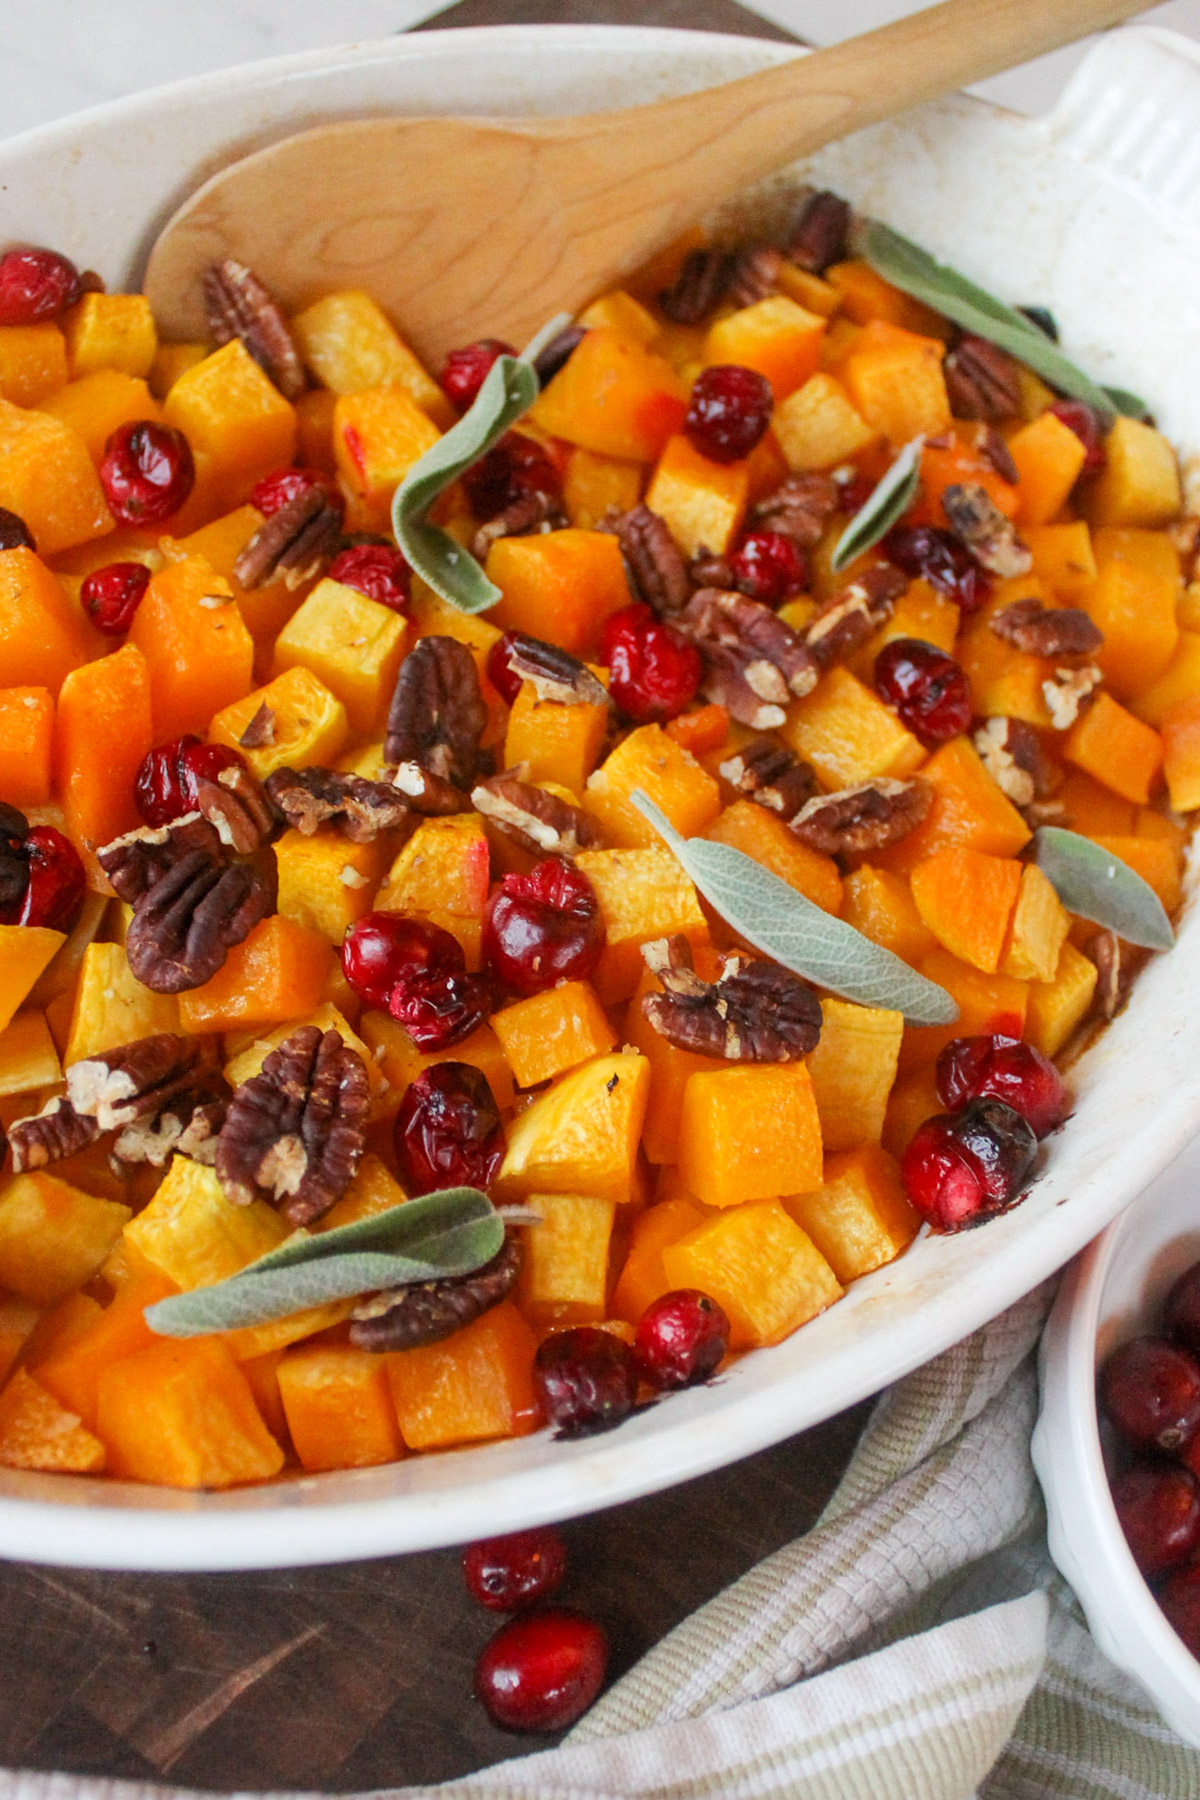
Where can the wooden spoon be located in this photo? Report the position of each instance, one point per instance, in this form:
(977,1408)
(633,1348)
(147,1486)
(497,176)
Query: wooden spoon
(462,228)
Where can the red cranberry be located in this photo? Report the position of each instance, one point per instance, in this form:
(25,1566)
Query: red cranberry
(506,681)
(961,1168)
(35,285)
(1078,416)
(448,1131)
(112,595)
(1151,1392)
(1001,1068)
(1159,1509)
(769,566)
(929,691)
(506,1574)
(382,947)
(654,672)
(543,928)
(166,784)
(1179,1598)
(146,472)
(14,532)
(375,570)
(942,561)
(282,485)
(438,1008)
(681,1337)
(729,411)
(854,492)
(586,1380)
(54,882)
(1181,1312)
(466,370)
(516,467)
(541,1673)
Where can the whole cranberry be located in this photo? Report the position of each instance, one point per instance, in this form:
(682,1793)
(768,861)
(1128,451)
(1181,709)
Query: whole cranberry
(1181,1311)
(927,689)
(382,947)
(282,485)
(42,877)
(35,285)
(146,472)
(941,560)
(1150,1389)
(541,1673)
(1179,1598)
(506,681)
(112,595)
(165,786)
(1003,1068)
(448,1131)
(543,928)
(769,566)
(586,1380)
(681,1337)
(1159,1509)
(466,370)
(438,1008)
(1078,416)
(14,532)
(728,413)
(506,1574)
(961,1168)
(654,672)
(376,570)
(512,470)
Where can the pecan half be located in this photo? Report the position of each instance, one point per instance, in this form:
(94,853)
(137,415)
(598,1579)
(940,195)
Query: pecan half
(530,512)
(50,1135)
(753,1012)
(865,817)
(186,924)
(294,543)
(14,864)
(189,1123)
(848,617)
(1116,963)
(428,794)
(540,822)
(437,714)
(978,523)
(295,1132)
(139,859)
(1011,752)
(240,306)
(701,282)
(133,1081)
(260,732)
(994,450)
(754,275)
(819,235)
(800,508)
(707,570)
(554,674)
(772,775)
(1067,692)
(558,352)
(655,568)
(358,808)
(237,809)
(403,1318)
(753,662)
(1047,630)
(981,380)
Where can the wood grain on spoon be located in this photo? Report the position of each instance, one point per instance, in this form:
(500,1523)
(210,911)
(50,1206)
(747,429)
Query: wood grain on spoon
(469,227)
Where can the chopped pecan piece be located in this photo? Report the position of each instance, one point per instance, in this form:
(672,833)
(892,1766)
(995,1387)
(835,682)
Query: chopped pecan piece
(772,775)
(294,543)
(1047,630)
(554,674)
(702,280)
(866,817)
(428,794)
(981,380)
(134,1081)
(800,508)
(1067,691)
(403,1318)
(753,662)
(1117,963)
(240,306)
(47,1137)
(540,822)
(995,452)
(754,275)
(530,512)
(237,809)
(437,714)
(135,862)
(1011,752)
(656,570)
(558,352)
(753,1012)
(358,808)
(819,235)
(260,732)
(848,617)
(707,570)
(978,523)
(295,1132)
(185,925)
(189,1123)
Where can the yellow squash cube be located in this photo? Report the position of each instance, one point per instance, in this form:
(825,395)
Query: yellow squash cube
(666,773)
(25,950)
(237,422)
(28,1058)
(1038,930)
(549,1033)
(1057,1007)
(325,881)
(848,735)
(775,336)
(195,1235)
(619,311)
(110,331)
(760,1267)
(442,874)
(1178,684)
(37,1432)
(377,437)
(170,361)
(592,484)
(749,1132)
(1063,558)
(352,643)
(1139,484)
(853,1068)
(53,1237)
(581,1135)
(351,345)
(308,723)
(643,894)
(112,1007)
(894,378)
(564,1269)
(374,1190)
(819,426)
(702,503)
(859,1218)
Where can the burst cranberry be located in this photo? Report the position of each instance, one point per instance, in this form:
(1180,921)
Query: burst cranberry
(1181,1311)
(541,1673)
(960,1168)
(681,1337)
(1159,1509)
(376,570)
(165,786)
(928,689)
(506,1574)
(853,492)
(112,595)
(383,947)
(506,681)
(54,881)
(769,566)
(1002,1068)
(438,1008)
(14,532)
(1179,1598)
(729,411)
(1151,1391)
(543,928)
(586,1380)
(282,485)
(1078,417)
(146,472)
(942,561)
(653,671)
(448,1131)
(516,467)
(35,285)
(466,370)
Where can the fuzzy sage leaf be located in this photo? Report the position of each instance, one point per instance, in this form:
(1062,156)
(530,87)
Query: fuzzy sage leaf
(1097,885)
(452,1232)
(777,920)
(889,501)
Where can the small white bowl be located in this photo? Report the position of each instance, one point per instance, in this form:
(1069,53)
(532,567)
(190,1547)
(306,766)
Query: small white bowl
(1112,1292)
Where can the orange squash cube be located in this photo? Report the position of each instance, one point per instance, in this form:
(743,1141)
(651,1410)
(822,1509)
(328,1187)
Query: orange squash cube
(866,296)
(26,743)
(643,1279)
(170,361)
(374,1190)
(846,732)
(42,636)
(1181,755)
(28,1057)
(110,331)
(25,950)
(853,1068)
(702,503)
(921,612)
(278,973)
(98,404)
(1139,483)
(987,1004)
(894,379)
(1119,750)
(564,1264)
(1092,809)
(1058,1007)
(1133,601)
(1049,457)
(818,426)
(614,397)
(198,652)
(758,1265)
(775,336)
(326,882)
(37,1433)
(265,610)
(33,363)
(551,1032)
(859,1218)
(475,1385)
(183,1415)
(53,1237)
(954,463)
(1063,558)
(968,808)
(750,1132)
(650,760)
(237,422)
(967,899)
(47,479)
(377,437)
(701,731)
(1158,860)
(880,905)
(71,1371)
(1178,684)
(308,723)
(193,1235)
(619,311)
(762,834)
(592,484)
(102,730)
(1005,682)
(670,1069)
(643,894)
(559,585)
(559,743)
(338,1406)
(582,1134)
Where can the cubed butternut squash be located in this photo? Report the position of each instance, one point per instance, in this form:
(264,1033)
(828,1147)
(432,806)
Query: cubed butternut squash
(1049,458)
(112,1006)
(42,635)
(277,973)
(592,484)
(643,894)
(26,745)
(756,1263)
(1037,931)
(582,1134)
(564,1266)
(199,653)
(377,437)
(615,397)
(1117,749)
(846,732)
(33,363)
(880,905)
(987,1004)
(442,874)
(338,1406)
(750,1132)
(36,1432)
(1058,1007)
(25,950)
(308,724)
(473,1386)
(859,1218)
(325,881)
(183,1415)
(53,1237)
(102,731)
(400,1062)
(967,899)
(968,808)
(648,759)
(702,503)
(98,404)
(894,379)
(818,426)
(551,1032)
(351,346)
(1181,755)
(670,1069)
(559,585)
(28,1057)
(559,743)
(853,1068)
(47,479)
(1063,558)
(775,336)
(110,331)
(237,422)
(1139,483)
(762,834)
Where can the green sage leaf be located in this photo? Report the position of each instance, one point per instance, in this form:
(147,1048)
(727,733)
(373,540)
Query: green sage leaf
(451,1232)
(1097,885)
(777,920)
(1132,405)
(889,501)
